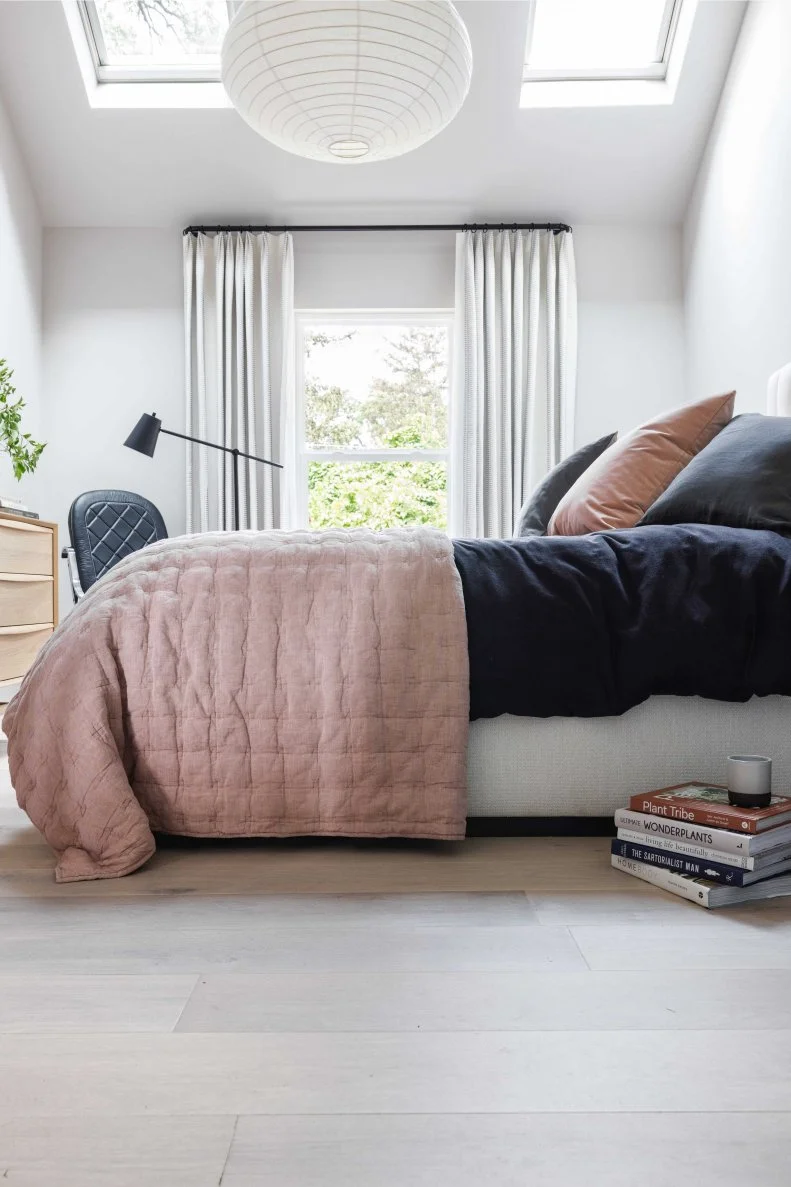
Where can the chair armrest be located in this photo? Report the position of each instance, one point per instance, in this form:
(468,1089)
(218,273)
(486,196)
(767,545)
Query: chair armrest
(74,577)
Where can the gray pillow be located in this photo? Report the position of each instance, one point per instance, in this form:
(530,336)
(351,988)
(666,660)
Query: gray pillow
(742,479)
(538,510)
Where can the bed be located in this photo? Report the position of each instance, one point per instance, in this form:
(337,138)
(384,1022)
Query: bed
(394,684)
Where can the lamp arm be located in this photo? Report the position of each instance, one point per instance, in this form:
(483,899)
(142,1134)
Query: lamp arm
(225,448)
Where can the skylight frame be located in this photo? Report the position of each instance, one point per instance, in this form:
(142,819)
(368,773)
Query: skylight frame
(648,72)
(165,72)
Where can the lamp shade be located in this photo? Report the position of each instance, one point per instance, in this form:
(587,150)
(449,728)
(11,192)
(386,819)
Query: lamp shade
(145,434)
(347,80)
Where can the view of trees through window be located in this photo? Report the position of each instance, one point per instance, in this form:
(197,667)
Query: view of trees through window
(376,389)
(161,30)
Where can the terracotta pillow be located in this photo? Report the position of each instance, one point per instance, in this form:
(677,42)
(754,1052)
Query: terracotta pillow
(620,486)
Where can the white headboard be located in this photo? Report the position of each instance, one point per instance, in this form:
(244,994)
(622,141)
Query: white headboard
(778,394)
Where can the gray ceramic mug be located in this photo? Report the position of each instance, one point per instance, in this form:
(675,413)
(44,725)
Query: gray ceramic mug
(749,780)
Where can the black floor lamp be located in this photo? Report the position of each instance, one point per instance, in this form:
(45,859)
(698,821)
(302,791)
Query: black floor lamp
(145,434)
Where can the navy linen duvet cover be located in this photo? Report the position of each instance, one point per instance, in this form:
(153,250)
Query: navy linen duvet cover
(589,626)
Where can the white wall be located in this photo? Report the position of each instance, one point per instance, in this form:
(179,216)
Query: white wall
(631,328)
(113,347)
(374,270)
(737,238)
(114,337)
(20,299)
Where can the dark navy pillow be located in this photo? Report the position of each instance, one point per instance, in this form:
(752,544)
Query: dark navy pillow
(540,507)
(742,479)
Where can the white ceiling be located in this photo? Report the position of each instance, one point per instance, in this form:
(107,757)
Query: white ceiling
(100,167)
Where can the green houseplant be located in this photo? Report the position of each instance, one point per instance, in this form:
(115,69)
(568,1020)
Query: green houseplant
(23,451)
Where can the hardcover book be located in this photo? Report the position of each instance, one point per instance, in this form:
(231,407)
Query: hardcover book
(18,511)
(656,828)
(694,867)
(707,803)
(742,861)
(698,890)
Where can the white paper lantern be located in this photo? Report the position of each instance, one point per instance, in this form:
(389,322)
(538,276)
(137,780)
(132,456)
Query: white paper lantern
(347,80)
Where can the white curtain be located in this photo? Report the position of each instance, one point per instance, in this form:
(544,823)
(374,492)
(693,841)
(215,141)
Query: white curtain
(239,331)
(514,372)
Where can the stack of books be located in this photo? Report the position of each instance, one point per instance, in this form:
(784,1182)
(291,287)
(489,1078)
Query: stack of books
(15,507)
(691,841)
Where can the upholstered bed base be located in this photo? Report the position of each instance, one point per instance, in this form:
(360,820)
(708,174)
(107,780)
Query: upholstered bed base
(561,766)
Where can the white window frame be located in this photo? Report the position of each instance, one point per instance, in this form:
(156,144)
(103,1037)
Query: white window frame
(306,319)
(153,73)
(654,70)
(648,85)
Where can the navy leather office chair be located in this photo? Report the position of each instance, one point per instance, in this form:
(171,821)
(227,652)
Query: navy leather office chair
(104,527)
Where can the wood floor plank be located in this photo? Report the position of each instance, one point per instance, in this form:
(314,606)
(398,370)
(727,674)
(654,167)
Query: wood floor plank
(233,912)
(597,1150)
(343,1002)
(272,868)
(725,940)
(134,1151)
(16,829)
(22,850)
(139,948)
(621,909)
(333,867)
(551,1072)
(32,1004)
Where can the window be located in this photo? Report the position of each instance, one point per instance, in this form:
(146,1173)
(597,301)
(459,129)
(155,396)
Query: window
(604,52)
(374,418)
(606,39)
(156,40)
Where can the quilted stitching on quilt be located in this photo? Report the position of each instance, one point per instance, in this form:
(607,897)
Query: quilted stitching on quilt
(249,684)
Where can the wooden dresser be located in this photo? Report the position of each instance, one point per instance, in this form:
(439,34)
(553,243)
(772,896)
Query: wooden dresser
(28,591)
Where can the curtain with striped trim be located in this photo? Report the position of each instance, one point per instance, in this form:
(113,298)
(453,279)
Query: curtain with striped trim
(514,376)
(239,328)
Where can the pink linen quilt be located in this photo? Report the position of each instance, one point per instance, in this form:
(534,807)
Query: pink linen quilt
(249,684)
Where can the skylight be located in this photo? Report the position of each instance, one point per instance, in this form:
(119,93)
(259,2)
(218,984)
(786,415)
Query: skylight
(156,40)
(600,39)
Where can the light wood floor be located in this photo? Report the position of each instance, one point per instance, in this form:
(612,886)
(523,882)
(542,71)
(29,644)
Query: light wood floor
(502,1013)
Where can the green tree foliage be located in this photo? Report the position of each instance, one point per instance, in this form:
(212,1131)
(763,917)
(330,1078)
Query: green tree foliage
(332,421)
(411,405)
(407,409)
(23,451)
(377,495)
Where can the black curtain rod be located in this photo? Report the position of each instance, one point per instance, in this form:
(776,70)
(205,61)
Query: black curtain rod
(557,228)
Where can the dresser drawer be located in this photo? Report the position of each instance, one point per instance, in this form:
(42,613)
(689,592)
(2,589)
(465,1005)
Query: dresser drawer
(26,598)
(25,548)
(19,646)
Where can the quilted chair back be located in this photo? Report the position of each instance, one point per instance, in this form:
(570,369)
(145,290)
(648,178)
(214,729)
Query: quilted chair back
(106,525)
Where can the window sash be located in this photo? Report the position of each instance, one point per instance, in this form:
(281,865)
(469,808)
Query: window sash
(187,71)
(309,319)
(376,455)
(652,71)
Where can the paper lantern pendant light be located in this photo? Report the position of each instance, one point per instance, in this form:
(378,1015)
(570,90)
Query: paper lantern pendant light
(347,80)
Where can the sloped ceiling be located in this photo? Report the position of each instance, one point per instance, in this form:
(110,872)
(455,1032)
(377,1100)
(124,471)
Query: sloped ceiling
(163,168)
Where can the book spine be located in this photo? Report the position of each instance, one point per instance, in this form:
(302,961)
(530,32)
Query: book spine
(692,867)
(654,827)
(712,818)
(683,887)
(21,514)
(740,860)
